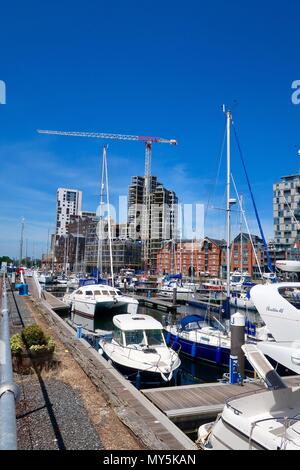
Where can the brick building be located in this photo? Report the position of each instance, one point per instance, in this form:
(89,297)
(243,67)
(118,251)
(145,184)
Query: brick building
(191,257)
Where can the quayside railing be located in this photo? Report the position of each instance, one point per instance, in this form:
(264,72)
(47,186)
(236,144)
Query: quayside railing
(9,391)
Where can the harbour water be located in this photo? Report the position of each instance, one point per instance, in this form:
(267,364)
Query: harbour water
(191,371)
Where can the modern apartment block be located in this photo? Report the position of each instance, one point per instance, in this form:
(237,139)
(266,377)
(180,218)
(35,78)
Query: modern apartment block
(68,202)
(162,221)
(286,211)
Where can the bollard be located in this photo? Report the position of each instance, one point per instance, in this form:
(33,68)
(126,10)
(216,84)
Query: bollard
(79,331)
(13,281)
(174,295)
(23,291)
(237,359)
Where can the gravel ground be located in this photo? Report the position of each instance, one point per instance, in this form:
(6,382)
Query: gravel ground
(51,415)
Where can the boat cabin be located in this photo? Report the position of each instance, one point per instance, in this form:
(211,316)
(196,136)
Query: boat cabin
(97,290)
(137,331)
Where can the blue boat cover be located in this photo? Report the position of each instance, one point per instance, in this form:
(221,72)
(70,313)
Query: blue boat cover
(190,319)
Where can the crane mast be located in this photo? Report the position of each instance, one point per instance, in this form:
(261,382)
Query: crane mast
(148,141)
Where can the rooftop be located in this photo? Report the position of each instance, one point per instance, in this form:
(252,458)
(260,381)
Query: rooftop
(127,322)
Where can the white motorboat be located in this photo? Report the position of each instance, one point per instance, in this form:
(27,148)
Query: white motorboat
(214,284)
(182,292)
(45,278)
(138,344)
(239,279)
(62,280)
(269,420)
(87,302)
(242,300)
(279,307)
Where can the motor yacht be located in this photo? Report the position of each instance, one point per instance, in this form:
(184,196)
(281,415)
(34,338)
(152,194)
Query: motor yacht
(138,345)
(89,301)
(267,420)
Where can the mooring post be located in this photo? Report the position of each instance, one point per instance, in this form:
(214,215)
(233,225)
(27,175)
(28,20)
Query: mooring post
(79,331)
(13,281)
(237,359)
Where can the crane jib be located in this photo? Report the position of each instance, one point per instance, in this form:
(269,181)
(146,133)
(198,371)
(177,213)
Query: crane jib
(103,135)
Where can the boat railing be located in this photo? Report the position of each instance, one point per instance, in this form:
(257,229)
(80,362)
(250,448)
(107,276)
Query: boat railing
(287,422)
(241,395)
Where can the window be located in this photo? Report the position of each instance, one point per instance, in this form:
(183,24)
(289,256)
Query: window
(105,292)
(134,337)
(97,292)
(79,292)
(118,336)
(155,337)
(89,292)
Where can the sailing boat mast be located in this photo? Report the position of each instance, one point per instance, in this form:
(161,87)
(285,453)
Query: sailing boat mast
(109,219)
(77,246)
(241,233)
(104,188)
(21,241)
(100,224)
(229,202)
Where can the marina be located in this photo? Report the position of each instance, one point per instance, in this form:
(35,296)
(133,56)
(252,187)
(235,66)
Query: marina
(150,231)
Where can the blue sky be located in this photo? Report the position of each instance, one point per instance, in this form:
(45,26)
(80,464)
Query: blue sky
(150,68)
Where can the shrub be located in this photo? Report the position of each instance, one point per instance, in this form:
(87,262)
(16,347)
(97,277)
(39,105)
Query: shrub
(33,335)
(16,344)
(43,348)
(34,339)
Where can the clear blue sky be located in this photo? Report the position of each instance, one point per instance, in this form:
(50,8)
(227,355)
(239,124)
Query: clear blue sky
(158,68)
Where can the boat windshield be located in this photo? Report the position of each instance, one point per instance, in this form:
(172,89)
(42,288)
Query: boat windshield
(236,279)
(134,337)
(155,338)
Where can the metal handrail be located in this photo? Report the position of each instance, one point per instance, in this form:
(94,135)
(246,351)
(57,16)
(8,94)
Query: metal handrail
(9,391)
(287,422)
(241,395)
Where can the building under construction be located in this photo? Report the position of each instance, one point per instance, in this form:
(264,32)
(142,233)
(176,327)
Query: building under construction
(162,220)
(126,253)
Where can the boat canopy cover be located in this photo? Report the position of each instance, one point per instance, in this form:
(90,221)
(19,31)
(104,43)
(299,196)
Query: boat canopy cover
(173,276)
(92,281)
(190,319)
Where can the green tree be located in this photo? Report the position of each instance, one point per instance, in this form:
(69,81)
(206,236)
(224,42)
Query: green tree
(5,259)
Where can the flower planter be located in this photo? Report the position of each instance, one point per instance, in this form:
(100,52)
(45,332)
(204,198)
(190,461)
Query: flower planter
(28,361)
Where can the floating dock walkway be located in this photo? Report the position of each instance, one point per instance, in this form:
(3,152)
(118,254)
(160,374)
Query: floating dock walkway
(157,303)
(188,405)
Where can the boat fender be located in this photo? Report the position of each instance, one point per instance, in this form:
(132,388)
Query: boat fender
(100,351)
(193,350)
(165,378)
